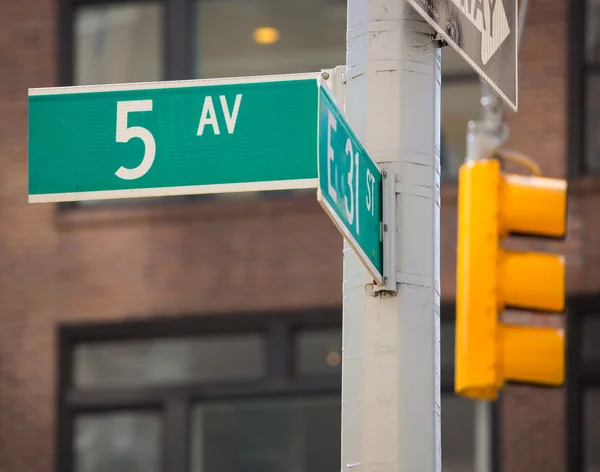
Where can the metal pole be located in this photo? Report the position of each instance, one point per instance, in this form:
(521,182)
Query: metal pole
(483,436)
(391,344)
(483,138)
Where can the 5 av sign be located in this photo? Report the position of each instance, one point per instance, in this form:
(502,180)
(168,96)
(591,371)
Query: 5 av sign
(125,132)
(173,138)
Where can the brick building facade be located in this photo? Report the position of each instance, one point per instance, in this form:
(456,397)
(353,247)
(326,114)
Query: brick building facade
(68,271)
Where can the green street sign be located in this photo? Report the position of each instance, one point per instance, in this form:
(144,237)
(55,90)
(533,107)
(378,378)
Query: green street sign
(173,138)
(350,185)
(206,136)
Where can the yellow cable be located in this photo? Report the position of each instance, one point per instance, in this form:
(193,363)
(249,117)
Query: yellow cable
(522,159)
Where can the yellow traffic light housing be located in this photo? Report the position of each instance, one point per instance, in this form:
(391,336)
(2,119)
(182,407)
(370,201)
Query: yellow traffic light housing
(491,206)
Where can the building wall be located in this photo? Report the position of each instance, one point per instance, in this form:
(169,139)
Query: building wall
(532,418)
(203,257)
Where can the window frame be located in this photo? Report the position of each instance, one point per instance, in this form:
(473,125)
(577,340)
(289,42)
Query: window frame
(469,77)
(576,88)
(175,402)
(177,64)
(177,53)
(578,71)
(580,374)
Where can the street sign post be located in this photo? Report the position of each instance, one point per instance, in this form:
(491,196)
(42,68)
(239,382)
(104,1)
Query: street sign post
(207,136)
(484,33)
(350,186)
(173,138)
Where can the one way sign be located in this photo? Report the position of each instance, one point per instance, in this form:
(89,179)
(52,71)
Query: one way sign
(484,32)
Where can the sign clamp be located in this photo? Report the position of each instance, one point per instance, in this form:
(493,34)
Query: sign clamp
(388,235)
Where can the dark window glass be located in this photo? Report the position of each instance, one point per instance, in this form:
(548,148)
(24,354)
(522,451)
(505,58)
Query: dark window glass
(592,28)
(458,434)
(117,43)
(260,37)
(460,104)
(161,361)
(591,429)
(591,102)
(319,351)
(302,434)
(118,442)
(592,132)
(271,435)
(590,346)
(447,342)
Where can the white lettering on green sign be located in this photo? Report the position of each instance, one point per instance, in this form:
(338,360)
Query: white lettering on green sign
(350,185)
(194,137)
(125,133)
(351,201)
(209,117)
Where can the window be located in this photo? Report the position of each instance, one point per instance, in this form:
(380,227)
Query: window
(220,394)
(140,363)
(120,42)
(460,103)
(583,384)
(239,50)
(244,47)
(584,86)
(591,429)
(154,40)
(592,84)
(119,442)
(267,435)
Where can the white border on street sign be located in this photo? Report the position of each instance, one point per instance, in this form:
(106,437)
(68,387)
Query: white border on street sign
(174,84)
(297,184)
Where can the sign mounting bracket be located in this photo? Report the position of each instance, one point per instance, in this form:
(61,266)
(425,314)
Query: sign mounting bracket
(389,231)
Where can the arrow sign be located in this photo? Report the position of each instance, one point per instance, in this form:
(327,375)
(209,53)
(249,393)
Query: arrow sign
(489,17)
(484,33)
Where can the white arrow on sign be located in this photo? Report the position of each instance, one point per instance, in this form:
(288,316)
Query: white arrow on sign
(489,17)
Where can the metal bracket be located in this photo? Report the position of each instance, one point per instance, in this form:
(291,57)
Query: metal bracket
(388,236)
(439,40)
(336,81)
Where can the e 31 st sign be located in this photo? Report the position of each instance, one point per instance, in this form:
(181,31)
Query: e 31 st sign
(350,186)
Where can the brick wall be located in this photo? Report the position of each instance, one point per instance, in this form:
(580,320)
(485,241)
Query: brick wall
(201,258)
(533,418)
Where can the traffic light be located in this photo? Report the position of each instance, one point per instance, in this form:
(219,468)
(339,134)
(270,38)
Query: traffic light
(491,206)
